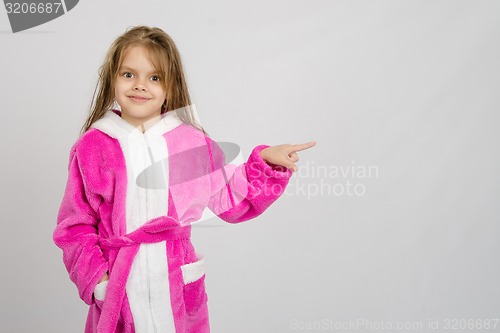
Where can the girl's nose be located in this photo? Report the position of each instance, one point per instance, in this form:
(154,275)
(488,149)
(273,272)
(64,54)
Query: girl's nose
(139,85)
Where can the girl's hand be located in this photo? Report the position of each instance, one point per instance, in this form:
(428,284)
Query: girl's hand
(285,155)
(104,278)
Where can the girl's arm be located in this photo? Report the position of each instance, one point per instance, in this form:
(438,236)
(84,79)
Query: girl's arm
(76,232)
(242,192)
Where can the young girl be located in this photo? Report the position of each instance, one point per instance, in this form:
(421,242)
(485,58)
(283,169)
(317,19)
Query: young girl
(138,176)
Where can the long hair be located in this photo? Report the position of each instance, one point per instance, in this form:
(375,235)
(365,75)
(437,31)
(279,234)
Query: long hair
(166,59)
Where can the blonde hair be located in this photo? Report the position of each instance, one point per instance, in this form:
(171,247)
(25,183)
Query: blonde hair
(166,59)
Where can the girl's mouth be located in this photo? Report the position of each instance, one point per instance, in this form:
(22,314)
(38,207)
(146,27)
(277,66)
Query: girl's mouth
(138,99)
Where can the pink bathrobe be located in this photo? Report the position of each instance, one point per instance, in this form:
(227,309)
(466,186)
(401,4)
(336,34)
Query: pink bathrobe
(129,201)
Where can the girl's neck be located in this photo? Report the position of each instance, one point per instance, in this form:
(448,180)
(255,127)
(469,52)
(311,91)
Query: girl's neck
(142,126)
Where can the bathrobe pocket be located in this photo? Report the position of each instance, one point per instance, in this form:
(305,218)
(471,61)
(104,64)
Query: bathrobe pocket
(99,296)
(100,292)
(193,275)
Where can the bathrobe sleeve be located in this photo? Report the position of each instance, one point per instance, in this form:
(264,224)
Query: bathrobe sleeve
(242,192)
(76,232)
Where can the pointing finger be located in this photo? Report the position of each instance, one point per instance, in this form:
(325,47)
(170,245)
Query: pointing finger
(303,146)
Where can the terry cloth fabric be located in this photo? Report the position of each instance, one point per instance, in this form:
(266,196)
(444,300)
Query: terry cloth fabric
(127,209)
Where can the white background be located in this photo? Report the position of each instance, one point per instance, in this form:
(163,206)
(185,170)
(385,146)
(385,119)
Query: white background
(410,88)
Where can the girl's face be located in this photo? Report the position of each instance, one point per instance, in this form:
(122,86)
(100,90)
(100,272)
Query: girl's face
(138,88)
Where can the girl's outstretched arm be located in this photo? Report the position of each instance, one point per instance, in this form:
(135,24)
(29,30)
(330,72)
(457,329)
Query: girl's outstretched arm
(76,232)
(241,192)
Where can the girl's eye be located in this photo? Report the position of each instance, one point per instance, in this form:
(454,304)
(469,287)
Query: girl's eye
(127,74)
(155,78)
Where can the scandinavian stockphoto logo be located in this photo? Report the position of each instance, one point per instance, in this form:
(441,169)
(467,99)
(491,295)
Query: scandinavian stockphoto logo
(28,14)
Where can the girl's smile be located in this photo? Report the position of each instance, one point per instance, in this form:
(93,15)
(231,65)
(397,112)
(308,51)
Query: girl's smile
(139,99)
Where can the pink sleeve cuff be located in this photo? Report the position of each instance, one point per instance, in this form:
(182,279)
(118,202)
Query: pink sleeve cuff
(257,163)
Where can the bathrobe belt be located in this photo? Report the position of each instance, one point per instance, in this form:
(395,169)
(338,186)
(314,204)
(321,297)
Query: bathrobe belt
(156,230)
